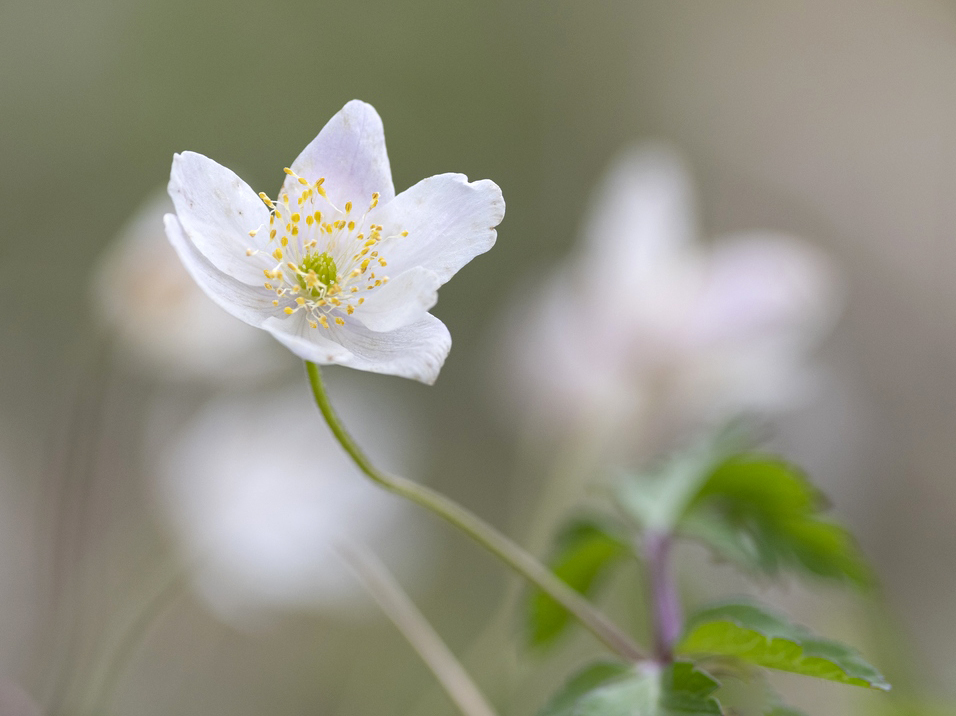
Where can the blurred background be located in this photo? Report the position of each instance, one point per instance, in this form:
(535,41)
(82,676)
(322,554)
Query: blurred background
(830,121)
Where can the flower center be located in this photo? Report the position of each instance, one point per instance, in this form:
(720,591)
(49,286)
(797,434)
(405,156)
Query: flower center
(326,258)
(316,273)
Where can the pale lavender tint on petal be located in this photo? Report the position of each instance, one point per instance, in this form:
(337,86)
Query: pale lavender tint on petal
(349,153)
(311,344)
(765,301)
(640,222)
(449,221)
(252,304)
(405,299)
(416,351)
(217,210)
(643,313)
(617,307)
(766,287)
(612,312)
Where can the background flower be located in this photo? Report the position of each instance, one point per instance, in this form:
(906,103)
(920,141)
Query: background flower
(160,319)
(258,492)
(648,332)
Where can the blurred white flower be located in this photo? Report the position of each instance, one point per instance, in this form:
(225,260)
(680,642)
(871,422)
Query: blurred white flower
(258,493)
(647,326)
(338,268)
(159,317)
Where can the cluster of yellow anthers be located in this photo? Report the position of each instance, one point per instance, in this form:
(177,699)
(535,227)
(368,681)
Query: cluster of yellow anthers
(323,263)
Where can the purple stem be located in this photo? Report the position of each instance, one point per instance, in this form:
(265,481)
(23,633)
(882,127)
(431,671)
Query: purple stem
(665,602)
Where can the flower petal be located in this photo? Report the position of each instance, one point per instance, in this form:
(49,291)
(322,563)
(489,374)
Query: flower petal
(765,286)
(449,221)
(640,228)
(350,154)
(251,304)
(312,344)
(415,351)
(403,300)
(217,210)
(258,525)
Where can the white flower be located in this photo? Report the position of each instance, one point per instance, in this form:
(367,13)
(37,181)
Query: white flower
(645,327)
(337,268)
(158,315)
(259,494)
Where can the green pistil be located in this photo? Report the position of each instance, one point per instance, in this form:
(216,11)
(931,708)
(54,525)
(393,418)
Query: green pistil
(323,265)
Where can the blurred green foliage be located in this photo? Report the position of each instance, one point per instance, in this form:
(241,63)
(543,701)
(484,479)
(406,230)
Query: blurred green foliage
(584,552)
(757,635)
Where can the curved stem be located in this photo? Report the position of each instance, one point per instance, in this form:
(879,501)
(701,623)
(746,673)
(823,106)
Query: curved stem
(413,625)
(480,531)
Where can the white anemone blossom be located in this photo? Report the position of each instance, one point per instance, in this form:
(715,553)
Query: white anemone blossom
(160,319)
(646,329)
(260,525)
(336,267)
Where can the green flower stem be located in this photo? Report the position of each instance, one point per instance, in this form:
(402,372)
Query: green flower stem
(480,531)
(413,625)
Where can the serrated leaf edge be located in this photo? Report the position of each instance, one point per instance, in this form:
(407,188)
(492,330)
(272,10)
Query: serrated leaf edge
(805,648)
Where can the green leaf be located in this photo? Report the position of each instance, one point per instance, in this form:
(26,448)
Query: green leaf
(607,689)
(687,691)
(657,499)
(637,695)
(749,632)
(764,514)
(565,701)
(756,510)
(586,550)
